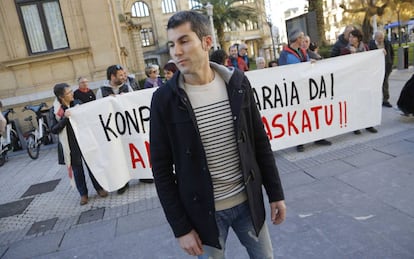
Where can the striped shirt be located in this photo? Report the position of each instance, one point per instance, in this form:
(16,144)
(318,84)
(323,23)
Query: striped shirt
(211,106)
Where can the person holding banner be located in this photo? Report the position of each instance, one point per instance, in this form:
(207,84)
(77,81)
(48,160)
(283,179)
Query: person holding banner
(116,77)
(209,151)
(342,42)
(72,153)
(115,83)
(379,42)
(356,45)
(296,52)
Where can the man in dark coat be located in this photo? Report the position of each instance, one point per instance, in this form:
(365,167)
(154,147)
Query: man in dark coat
(210,153)
(342,41)
(379,42)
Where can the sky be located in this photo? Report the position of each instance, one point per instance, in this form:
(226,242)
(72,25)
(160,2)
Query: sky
(276,13)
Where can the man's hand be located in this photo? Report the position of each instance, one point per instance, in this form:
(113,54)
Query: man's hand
(191,243)
(278,212)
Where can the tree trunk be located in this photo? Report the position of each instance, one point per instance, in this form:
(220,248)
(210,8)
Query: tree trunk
(317,6)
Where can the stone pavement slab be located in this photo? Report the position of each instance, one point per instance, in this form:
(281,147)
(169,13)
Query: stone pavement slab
(89,233)
(28,248)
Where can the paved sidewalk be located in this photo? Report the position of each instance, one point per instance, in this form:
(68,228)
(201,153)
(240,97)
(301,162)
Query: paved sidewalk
(353,199)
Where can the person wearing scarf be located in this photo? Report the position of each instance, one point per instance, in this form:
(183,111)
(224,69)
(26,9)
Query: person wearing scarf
(83,93)
(72,153)
(356,45)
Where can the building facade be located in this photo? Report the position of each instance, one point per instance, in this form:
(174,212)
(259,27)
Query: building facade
(47,42)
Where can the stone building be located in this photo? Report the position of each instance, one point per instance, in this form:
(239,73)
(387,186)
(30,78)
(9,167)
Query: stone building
(46,42)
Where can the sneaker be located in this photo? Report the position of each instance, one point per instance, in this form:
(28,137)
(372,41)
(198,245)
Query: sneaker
(357,132)
(386,104)
(146,180)
(84,200)
(102,193)
(300,148)
(323,142)
(372,130)
(123,189)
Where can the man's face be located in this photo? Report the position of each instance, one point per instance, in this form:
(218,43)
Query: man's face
(187,50)
(305,42)
(379,38)
(67,96)
(83,83)
(243,52)
(233,52)
(119,78)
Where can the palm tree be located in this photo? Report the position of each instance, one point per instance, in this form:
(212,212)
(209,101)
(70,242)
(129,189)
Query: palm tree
(228,12)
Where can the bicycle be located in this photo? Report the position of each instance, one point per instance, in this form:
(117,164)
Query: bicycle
(40,135)
(11,141)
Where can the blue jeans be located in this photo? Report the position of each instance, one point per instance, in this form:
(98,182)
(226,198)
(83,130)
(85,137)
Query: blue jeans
(79,175)
(239,219)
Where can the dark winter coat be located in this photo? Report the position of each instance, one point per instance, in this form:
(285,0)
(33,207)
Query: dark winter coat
(389,57)
(63,123)
(406,99)
(339,44)
(175,143)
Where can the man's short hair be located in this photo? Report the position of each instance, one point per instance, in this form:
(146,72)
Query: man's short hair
(242,46)
(59,90)
(294,35)
(357,34)
(112,70)
(170,66)
(199,23)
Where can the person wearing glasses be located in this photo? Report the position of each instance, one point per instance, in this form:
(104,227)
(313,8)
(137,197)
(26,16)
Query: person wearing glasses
(153,79)
(72,153)
(83,93)
(115,83)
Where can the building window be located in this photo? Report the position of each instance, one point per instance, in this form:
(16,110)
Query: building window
(43,26)
(147,37)
(139,9)
(168,6)
(194,4)
(250,26)
(151,61)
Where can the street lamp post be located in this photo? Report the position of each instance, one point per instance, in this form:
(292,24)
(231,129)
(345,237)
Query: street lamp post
(209,8)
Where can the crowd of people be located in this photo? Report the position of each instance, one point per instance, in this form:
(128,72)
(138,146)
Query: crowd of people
(209,151)
(118,82)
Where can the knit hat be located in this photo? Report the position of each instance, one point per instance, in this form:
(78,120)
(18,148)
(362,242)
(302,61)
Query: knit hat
(294,35)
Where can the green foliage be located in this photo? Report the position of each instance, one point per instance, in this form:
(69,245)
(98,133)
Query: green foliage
(228,12)
(325,51)
(410,53)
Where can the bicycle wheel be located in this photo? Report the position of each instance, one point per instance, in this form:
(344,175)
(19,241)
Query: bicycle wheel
(3,158)
(32,147)
(15,142)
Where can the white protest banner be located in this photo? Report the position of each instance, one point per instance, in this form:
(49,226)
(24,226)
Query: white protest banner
(298,103)
(309,101)
(113,136)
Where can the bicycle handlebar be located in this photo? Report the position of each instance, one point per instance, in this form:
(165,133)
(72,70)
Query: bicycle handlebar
(35,108)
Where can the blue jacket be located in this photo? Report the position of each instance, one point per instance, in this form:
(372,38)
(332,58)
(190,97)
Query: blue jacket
(186,195)
(291,56)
